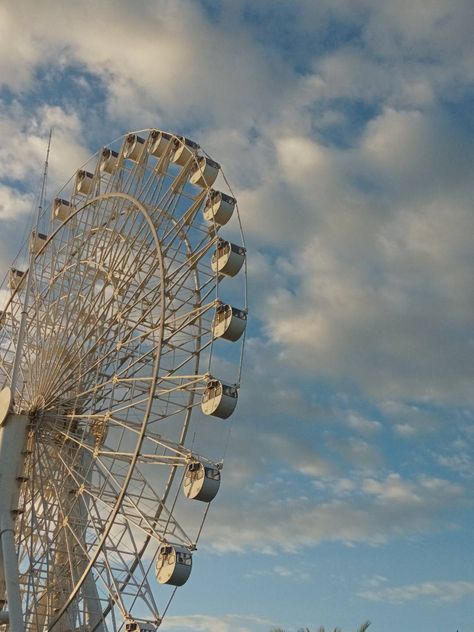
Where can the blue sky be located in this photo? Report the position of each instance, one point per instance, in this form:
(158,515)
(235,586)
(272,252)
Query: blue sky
(346,129)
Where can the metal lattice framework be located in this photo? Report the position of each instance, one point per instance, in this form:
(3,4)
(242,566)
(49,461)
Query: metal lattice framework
(107,343)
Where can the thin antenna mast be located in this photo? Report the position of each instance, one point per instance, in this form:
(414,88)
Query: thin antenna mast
(24,311)
(43,183)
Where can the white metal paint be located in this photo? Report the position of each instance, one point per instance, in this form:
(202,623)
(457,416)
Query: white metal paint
(12,444)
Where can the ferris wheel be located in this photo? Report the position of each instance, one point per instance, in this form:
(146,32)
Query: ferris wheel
(120,358)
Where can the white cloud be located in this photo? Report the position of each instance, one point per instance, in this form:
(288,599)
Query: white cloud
(361,424)
(13,203)
(285,572)
(404,430)
(378,314)
(416,154)
(353,74)
(24,145)
(281,519)
(393,489)
(460,462)
(435,591)
(301,457)
(164,53)
(436,28)
(209,623)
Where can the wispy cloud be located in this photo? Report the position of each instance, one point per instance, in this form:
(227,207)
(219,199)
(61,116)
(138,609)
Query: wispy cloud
(209,623)
(374,511)
(449,591)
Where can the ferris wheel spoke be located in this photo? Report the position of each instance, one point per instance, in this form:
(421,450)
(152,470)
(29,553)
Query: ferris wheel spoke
(181,253)
(6,368)
(48,361)
(14,308)
(182,454)
(111,588)
(160,170)
(115,564)
(78,570)
(169,200)
(148,459)
(187,384)
(180,321)
(182,312)
(107,577)
(142,591)
(110,351)
(175,366)
(89,361)
(142,521)
(180,235)
(41,553)
(156,181)
(80,299)
(131,511)
(88,297)
(145,494)
(187,218)
(179,275)
(110,484)
(139,181)
(183,345)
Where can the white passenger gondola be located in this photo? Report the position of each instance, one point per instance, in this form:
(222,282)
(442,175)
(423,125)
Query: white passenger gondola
(184,148)
(134,147)
(84,183)
(219,207)
(140,626)
(219,399)
(108,161)
(228,258)
(62,209)
(205,173)
(173,564)
(159,142)
(15,278)
(201,482)
(229,322)
(37,241)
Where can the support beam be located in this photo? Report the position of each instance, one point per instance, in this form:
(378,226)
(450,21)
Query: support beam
(12,444)
(10,565)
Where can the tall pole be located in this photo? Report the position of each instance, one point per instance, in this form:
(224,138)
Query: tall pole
(12,443)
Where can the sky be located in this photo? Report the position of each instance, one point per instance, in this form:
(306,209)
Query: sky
(346,129)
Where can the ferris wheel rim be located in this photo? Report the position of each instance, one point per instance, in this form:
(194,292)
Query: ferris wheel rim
(156,366)
(167,488)
(203,311)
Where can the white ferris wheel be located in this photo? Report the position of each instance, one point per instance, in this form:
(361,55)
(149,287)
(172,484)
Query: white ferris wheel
(120,356)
